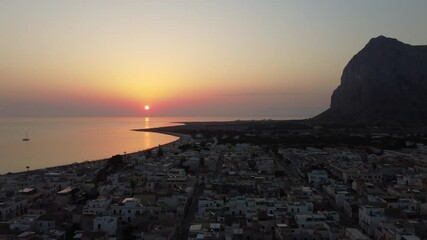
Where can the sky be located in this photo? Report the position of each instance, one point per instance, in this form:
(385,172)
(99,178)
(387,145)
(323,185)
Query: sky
(197,58)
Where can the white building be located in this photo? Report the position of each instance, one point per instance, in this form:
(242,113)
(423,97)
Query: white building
(370,217)
(310,220)
(12,208)
(341,197)
(97,206)
(300,208)
(371,177)
(239,205)
(23,223)
(317,176)
(128,209)
(105,224)
(46,223)
(206,203)
(409,180)
(355,234)
(408,204)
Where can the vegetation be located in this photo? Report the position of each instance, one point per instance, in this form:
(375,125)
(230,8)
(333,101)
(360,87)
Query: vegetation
(160,152)
(113,165)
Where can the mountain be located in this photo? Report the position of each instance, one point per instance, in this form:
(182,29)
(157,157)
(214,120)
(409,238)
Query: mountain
(385,81)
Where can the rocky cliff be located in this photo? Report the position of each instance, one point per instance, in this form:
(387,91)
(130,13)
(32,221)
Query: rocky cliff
(386,80)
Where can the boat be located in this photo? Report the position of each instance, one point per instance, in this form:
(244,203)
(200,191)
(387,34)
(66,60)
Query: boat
(26,138)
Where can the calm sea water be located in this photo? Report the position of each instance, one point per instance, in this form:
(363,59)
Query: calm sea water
(59,141)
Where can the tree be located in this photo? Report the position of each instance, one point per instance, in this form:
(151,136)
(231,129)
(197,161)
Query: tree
(159,152)
(101,176)
(115,161)
(148,153)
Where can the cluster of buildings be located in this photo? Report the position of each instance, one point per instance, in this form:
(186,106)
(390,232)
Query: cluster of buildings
(310,193)
(147,197)
(196,189)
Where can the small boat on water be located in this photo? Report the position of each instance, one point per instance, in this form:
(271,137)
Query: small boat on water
(26,138)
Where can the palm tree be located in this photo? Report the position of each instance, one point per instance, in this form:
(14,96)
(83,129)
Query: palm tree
(28,167)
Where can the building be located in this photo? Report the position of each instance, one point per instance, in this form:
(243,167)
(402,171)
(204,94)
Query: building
(317,176)
(370,217)
(105,224)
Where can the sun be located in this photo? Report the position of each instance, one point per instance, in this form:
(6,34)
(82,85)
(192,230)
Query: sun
(147,107)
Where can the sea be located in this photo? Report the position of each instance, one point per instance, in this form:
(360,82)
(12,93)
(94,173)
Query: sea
(61,141)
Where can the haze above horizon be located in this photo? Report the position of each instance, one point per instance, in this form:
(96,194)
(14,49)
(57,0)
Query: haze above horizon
(187,58)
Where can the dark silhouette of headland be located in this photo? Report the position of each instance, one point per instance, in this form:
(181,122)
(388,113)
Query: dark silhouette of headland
(386,81)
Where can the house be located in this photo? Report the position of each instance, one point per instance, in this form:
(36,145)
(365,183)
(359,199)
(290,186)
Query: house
(66,196)
(128,209)
(310,220)
(317,176)
(12,208)
(97,206)
(105,224)
(370,217)
(23,223)
(46,223)
(207,204)
(355,234)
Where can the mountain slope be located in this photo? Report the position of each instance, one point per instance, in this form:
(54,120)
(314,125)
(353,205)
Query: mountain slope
(385,81)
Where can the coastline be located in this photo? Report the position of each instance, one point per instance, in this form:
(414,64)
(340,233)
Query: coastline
(187,128)
(181,131)
(99,161)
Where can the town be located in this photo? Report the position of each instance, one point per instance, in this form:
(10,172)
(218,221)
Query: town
(218,186)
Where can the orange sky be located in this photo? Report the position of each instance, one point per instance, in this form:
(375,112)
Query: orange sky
(186,58)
